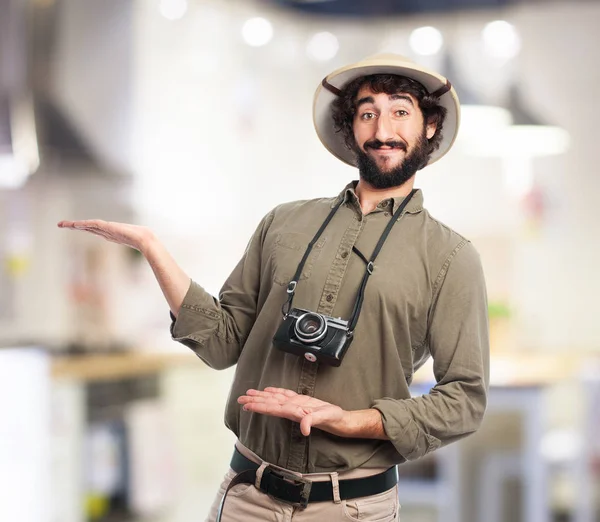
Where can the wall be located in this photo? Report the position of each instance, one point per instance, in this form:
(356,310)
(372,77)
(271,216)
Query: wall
(226,131)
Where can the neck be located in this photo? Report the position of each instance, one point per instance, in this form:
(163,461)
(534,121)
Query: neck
(370,197)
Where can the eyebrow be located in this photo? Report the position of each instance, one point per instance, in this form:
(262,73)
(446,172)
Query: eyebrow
(370,99)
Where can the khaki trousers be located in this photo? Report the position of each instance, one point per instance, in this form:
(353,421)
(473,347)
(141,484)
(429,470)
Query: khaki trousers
(246,503)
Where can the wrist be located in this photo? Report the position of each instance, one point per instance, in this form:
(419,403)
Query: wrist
(149,244)
(340,426)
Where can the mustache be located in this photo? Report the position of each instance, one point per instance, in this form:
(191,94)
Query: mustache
(377,144)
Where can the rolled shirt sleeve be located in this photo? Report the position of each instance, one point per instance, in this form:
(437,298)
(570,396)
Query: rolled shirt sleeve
(458,341)
(216,329)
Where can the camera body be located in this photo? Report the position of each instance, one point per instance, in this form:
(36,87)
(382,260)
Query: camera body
(314,336)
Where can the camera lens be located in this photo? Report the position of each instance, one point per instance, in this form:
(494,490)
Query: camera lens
(310,327)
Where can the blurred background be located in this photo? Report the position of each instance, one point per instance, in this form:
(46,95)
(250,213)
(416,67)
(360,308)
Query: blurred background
(193,117)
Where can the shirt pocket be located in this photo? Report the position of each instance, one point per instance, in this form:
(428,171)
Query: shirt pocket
(288,252)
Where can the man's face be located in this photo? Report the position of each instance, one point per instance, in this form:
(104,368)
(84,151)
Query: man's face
(390,135)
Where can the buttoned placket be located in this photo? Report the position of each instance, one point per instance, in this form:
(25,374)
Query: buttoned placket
(386,207)
(298,454)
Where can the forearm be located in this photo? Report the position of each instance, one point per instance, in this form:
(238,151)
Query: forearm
(173,281)
(359,424)
(422,424)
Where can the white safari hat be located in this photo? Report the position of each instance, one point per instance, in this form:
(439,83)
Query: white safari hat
(332,85)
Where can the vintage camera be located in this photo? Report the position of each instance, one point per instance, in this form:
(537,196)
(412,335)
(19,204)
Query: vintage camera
(315,336)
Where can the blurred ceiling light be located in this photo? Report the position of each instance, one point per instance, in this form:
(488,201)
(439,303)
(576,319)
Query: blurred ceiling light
(394,42)
(257,32)
(19,155)
(478,120)
(519,143)
(482,120)
(426,41)
(525,141)
(13,173)
(322,46)
(561,446)
(501,40)
(528,136)
(173,9)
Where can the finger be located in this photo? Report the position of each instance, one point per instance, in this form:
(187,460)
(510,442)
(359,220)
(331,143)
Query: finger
(258,393)
(244,399)
(305,425)
(92,224)
(290,399)
(274,410)
(95,222)
(267,394)
(287,393)
(100,233)
(70,224)
(80,223)
(285,411)
(268,390)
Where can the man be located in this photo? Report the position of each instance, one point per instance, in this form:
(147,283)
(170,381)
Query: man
(321,430)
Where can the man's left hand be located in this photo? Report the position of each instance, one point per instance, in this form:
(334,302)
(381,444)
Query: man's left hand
(306,410)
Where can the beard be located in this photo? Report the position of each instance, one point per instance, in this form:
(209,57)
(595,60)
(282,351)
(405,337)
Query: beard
(398,175)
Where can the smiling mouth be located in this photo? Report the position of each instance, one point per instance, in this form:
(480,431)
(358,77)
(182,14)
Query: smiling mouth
(387,150)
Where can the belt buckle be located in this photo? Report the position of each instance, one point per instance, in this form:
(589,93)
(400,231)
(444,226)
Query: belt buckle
(282,485)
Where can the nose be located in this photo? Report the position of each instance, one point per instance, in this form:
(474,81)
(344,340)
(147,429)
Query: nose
(385,130)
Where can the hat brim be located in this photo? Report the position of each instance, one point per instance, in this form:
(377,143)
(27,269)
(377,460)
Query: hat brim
(334,141)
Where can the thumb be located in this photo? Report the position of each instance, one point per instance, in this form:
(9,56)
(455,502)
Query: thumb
(305,424)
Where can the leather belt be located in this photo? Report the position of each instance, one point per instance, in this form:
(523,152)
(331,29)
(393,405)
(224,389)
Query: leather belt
(298,491)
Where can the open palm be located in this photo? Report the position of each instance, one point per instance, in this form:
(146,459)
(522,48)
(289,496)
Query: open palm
(306,410)
(133,236)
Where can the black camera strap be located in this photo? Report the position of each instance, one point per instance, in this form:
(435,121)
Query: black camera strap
(370,264)
(291,290)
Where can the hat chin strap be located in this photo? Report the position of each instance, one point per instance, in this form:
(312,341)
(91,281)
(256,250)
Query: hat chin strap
(437,94)
(442,90)
(331,88)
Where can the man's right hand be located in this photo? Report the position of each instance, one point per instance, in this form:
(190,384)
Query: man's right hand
(134,236)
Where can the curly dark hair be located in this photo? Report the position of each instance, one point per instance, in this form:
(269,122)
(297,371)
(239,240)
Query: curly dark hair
(344,106)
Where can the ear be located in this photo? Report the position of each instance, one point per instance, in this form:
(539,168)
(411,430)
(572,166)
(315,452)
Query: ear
(431,128)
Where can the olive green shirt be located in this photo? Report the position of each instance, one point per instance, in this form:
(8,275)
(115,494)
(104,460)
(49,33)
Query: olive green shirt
(426,297)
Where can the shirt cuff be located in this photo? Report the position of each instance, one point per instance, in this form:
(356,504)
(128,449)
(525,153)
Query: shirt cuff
(410,441)
(198,313)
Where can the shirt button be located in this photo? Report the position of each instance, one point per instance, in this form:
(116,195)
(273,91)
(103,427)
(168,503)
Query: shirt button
(329,298)
(305,391)
(344,255)
(386,213)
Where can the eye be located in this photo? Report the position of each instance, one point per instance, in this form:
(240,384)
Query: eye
(401,113)
(367,116)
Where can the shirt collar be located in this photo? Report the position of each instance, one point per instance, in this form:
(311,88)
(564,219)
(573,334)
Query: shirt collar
(414,206)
